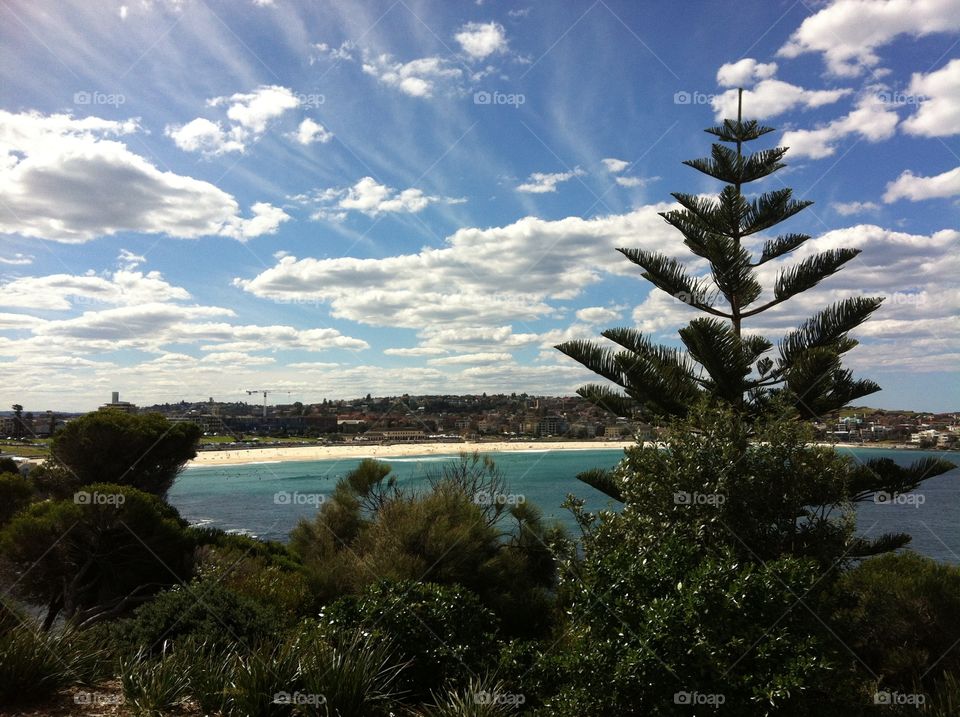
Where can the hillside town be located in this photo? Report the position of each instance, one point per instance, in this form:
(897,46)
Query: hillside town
(416,419)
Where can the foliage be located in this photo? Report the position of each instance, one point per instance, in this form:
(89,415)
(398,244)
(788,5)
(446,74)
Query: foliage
(371,530)
(15,494)
(720,360)
(203,612)
(444,632)
(153,687)
(902,619)
(8,465)
(655,622)
(34,664)
(144,451)
(479,698)
(96,556)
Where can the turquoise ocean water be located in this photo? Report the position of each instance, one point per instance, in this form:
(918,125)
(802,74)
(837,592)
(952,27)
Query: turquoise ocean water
(267,499)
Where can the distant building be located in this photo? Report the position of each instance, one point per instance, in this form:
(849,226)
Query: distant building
(117,405)
(396,436)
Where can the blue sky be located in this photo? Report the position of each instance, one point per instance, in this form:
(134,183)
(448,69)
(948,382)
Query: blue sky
(332,199)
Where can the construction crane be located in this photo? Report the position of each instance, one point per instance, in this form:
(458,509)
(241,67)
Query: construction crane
(250,392)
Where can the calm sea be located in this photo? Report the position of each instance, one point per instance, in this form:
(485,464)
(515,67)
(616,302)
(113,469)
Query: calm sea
(267,499)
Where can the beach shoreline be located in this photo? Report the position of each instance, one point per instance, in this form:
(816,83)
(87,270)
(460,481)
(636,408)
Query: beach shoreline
(293,454)
(284,454)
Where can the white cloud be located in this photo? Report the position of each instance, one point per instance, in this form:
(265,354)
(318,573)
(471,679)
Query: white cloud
(635,181)
(266,219)
(480,40)
(417,78)
(18,259)
(254,110)
(937,95)
(309,132)
(416,351)
(63,175)
(909,186)
(849,32)
(250,114)
(128,260)
(371,198)
(615,166)
(847,209)
(63,291)
(541,183)
(202,135)
(598,315)
(872,119)
(471,359)
(773,97)
(744,72)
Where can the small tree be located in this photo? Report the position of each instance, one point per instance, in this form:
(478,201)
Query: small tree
(146,452)
(722,360)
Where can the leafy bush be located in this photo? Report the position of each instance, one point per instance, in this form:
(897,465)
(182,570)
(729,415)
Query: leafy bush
(479,698)
(15,494)
(204,611)
(444,632)
(902,618)
(153,686)
(35,664)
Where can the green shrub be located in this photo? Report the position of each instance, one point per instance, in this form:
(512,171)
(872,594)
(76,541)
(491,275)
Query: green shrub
(204,611)
(15,494)
(444,632)
(35,664)
(479,698)
(153,686)
(902,618)
(259,679)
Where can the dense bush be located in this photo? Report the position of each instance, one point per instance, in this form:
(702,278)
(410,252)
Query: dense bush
(15,495)
(203,611)
(902,619)
(445,632)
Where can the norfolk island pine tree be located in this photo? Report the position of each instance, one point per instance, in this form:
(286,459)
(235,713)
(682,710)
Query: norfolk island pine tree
(723,363)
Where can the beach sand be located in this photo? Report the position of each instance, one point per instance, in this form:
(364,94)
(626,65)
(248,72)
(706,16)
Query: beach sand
(396,450)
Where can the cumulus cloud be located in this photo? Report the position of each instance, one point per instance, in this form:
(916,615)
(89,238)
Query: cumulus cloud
(542,183)
(370,197)
(744,72)
(937,95)
(910,186)
(18,259)
(635,181)
(249,112)
(872,119)
(63,291)
(62,177)
(849,32)
(773,97)
(615,166)
(417,78)
(486,357)
(309,132)
(480,40)
(847,209)
(598,315)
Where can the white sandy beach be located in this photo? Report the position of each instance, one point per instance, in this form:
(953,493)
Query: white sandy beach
(396,450)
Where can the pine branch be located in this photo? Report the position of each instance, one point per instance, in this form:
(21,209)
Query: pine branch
(810,272)
(725,165)
(718,349)
(739,131)
(667,274)
(828,326)
(599,359)
(606,398)
(783,244)
(603,481)
(770,209)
